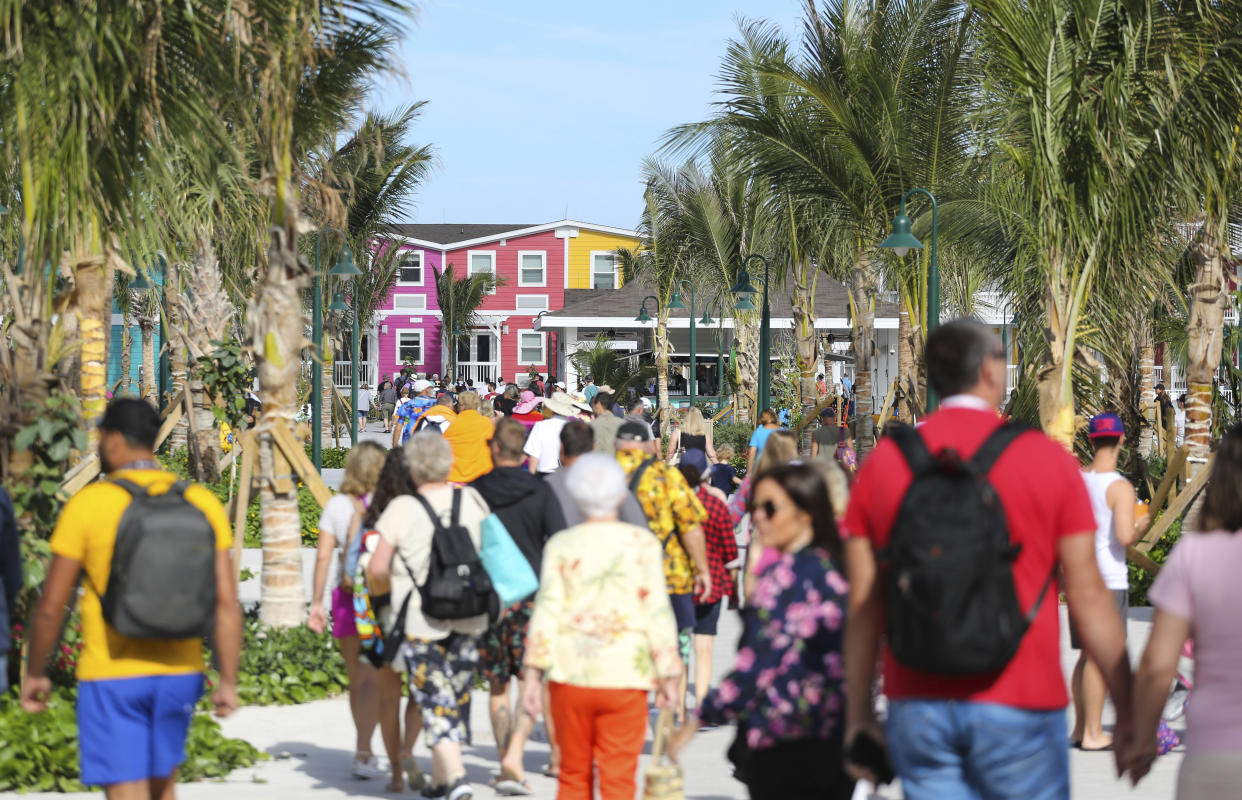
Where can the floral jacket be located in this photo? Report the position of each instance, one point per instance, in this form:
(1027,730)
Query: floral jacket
(789,677)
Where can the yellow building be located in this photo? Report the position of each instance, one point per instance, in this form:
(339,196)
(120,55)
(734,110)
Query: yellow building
(591,261)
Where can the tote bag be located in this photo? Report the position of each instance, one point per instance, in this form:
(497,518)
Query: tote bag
(511,574)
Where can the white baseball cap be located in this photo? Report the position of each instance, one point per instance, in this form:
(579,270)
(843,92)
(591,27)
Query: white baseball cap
(421,385)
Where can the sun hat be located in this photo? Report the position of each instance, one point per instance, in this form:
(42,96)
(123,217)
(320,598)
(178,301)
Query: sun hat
(527,402)
(560,404)
(421,386)
(1102,425)
(633,432)
(605,389)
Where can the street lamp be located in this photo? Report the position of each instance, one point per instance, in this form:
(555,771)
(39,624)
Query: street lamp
(744,288)
(901,241)
(675,302)
(343,268)
(643,316)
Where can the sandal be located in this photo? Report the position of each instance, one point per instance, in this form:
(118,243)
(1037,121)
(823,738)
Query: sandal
(413,774)
(550,771)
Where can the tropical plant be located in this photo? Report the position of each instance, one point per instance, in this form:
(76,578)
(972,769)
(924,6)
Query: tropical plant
(460,299)
(607,367)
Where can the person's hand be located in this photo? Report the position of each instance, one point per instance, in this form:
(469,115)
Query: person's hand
(1124,741)
(666,696)
(1138,756)
(869,728)
(680,738)
(318,619)
(702,584)
(35,691)
(224,699)
(532,698)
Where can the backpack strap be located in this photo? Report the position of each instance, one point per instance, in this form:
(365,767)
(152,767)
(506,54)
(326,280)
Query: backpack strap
(996,444)
(134,489)
(435,518)
(455,515)
(637,477)
(913,448)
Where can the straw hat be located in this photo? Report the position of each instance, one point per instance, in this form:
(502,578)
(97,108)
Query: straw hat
(560,404)
(527,402)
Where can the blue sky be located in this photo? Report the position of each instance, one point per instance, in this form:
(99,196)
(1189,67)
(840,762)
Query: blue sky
(544,107)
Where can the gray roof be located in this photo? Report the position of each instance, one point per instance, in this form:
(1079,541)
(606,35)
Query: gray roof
(831,300)
(447,233)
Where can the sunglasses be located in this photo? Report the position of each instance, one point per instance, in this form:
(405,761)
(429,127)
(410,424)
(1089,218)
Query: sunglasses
(768,508)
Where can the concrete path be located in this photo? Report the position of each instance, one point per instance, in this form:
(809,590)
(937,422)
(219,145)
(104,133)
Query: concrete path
(312,748)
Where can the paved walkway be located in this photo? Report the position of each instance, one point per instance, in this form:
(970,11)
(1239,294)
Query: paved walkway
(311,745)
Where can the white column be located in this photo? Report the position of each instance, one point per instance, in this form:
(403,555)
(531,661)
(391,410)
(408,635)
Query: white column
(569,337)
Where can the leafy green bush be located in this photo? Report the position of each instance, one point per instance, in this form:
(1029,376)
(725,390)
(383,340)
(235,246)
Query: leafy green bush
(735,434)
(333,457)
(1141,579)
(286,666)
(40,751)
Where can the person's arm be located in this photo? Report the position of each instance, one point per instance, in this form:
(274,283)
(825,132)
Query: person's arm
(379,570)
(398,425)
(318,618)
(542,629)
(1099,627)
(228,635)
(862,645)
(62,579)
(814,447)
(750,459)
(696,547)
(531,450)
(673,442)
(1151,688)
(1121,499)
(711,448)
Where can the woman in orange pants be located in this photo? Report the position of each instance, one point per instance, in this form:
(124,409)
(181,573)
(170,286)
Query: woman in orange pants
(603,635)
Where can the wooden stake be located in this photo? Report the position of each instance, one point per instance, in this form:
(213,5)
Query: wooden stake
(249,442)
(1175,510)
(301,464)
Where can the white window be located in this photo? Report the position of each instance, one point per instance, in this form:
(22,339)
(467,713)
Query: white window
(479,261)
(532,268)
(530,347)
(410,347)
(410,268)
(603,270)
(531,302)
(409,302)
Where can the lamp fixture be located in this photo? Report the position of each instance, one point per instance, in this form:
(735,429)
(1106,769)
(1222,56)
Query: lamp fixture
(338,302)
(345,268)
(901,241)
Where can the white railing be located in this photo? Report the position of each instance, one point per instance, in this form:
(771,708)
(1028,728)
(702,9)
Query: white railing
(479,373)
(341,374)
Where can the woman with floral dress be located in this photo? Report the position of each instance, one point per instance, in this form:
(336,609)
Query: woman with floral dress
(787,686)
(603,635)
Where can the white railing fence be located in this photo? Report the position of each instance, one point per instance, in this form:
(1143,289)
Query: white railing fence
(479,373)
(341,374)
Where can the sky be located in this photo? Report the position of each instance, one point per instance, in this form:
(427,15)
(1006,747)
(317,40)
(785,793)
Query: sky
(544,110)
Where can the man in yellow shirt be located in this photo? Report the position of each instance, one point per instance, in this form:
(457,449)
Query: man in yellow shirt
(136,697)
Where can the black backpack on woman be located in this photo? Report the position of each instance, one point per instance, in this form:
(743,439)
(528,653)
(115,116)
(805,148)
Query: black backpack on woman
(457,585)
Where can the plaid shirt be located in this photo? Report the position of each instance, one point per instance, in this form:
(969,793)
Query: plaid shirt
(721,547)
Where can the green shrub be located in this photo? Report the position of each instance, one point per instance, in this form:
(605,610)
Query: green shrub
(1141,579)
(39,752)
(286,666)
(736,435)
(332,457)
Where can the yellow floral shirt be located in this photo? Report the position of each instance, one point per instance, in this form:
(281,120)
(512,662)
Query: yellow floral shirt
(602,618)
(672,509)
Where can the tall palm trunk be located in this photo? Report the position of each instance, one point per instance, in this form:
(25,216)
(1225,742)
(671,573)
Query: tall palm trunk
(177,359)
(276,324)
(1056,397)
(907,380)
(747,330)
(127,359)
(1147,388)
(147,327)
(863,294)
(93,298)
(661,362)
(1204,340)
(806,345)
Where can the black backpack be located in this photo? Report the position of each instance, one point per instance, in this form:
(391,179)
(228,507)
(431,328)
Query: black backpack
(948,568)
(162,584)
(457,585)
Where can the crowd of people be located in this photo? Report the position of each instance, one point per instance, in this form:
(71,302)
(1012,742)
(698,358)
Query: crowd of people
(939,562)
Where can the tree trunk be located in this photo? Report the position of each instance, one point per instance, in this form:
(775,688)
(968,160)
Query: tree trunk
(177,362)
(661,362)
(747,331)
(806,345)
(907,380)
(1147,388)
(1056,396)
(149,364)
(1204,341)
(127,362)
(205,456)
(276,325)
(863,295)
(329,385)
(93,295)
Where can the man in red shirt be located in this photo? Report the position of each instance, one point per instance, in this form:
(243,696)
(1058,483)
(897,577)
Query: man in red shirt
(1000,734)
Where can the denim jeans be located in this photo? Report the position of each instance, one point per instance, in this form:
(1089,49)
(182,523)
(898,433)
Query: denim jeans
(956,750)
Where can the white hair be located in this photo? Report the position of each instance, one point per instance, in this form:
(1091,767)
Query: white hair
(597,484)
(428,457)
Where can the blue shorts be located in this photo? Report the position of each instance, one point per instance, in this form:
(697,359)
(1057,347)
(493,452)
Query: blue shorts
(132,729)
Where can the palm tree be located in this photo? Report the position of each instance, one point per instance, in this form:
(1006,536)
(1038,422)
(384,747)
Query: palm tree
(459,300)
(879,101)
(607,367)
(146,304)
(124,304)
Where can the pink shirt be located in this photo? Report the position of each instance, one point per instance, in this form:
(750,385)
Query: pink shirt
(1199,583)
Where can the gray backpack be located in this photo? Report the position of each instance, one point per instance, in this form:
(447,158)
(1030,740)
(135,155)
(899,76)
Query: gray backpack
(163,579)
